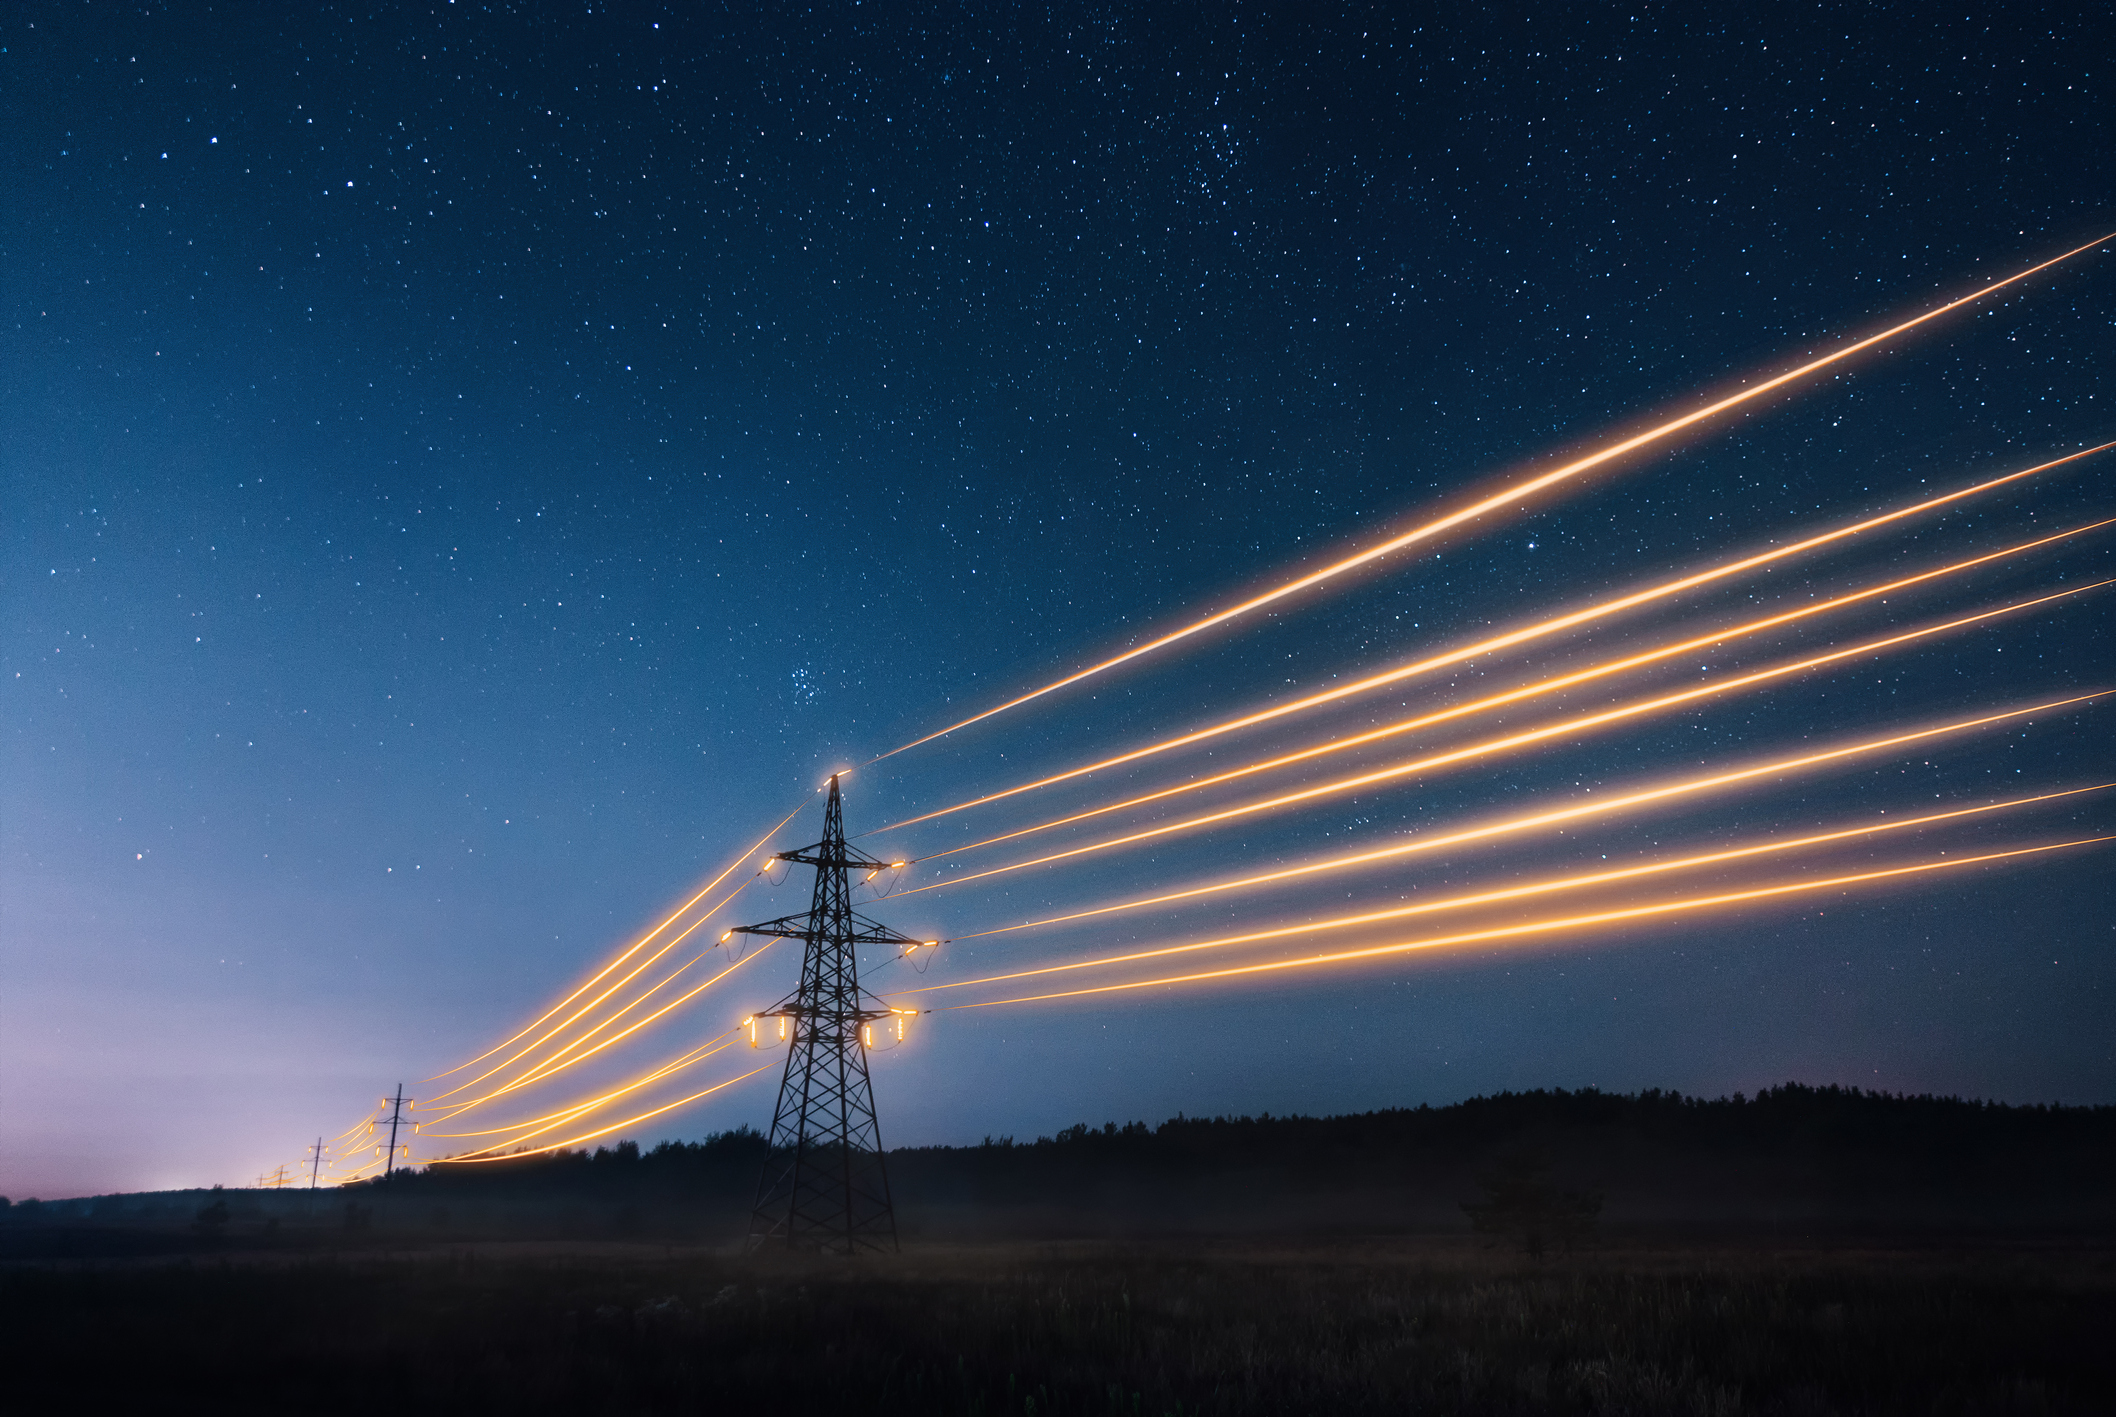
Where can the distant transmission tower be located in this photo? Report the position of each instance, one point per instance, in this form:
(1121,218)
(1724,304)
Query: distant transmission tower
(825,1186)
(315,1162)
(396,1115)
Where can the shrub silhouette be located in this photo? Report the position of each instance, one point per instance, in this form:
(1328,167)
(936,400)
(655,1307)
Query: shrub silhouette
(211,1219)
(1522,1204)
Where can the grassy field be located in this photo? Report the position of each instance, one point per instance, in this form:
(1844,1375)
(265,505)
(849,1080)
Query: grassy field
(1196,1328)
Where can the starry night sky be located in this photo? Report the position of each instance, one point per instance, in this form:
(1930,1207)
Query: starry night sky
(470,468)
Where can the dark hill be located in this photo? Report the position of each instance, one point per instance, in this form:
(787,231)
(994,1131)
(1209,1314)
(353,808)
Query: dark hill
(1791,1161)
(1791,1158)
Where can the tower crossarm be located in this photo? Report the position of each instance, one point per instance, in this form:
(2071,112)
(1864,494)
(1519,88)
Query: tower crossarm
(786,927)
(844,859)
(791,1007)
(798,927)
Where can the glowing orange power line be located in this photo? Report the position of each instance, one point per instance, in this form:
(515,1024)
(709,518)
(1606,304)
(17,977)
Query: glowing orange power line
(1574,922)
(644,940)
(1512,825)
(534,1125)
(1511,494)
(1510,741)
(530,1130)
(585,1009)
(544,1066)
(1533,690)
(349,1131)
(682,1061)
(626,1008)
(1537,630)
(473,1158)
(552,1064)
(1548,886)
(347,1137)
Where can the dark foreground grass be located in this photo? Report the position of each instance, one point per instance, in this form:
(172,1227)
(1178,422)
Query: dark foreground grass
(1195,1329)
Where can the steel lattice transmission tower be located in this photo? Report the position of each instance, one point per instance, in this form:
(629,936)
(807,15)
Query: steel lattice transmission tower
(825,1185)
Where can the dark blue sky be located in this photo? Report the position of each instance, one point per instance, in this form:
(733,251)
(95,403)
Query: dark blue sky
(470,468)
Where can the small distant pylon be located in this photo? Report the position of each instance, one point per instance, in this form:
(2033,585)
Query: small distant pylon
(396,1107)
(275,1178)
(825,1185)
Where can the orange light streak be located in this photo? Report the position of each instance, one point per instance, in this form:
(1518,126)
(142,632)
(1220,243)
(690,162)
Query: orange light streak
(1513,493)
(551,1065)
(540,1070)
(1544,887)
(1498,642)
(367,1166)
(535,1125)
(475,1157)
(1513,825)
(1510,741)
(643,942)
(1538,688)
(671,977)
(697,1055)
(336,1148)
(558,1028)
(1574,922)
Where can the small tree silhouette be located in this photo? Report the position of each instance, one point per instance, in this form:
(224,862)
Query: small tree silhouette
(212,1219)
(1521,1203)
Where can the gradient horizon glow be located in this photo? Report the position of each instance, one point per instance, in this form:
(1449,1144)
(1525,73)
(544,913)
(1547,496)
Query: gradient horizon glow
(470,472)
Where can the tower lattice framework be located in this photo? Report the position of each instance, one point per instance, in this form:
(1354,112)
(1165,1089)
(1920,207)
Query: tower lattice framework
(825,1185)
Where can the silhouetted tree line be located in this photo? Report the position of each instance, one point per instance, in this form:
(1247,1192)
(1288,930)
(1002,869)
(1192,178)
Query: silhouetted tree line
(1532,1166)
(1791,1116)
(721,1162)
(1541,1170)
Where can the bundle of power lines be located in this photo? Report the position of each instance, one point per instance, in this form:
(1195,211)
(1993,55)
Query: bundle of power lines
(659,983)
